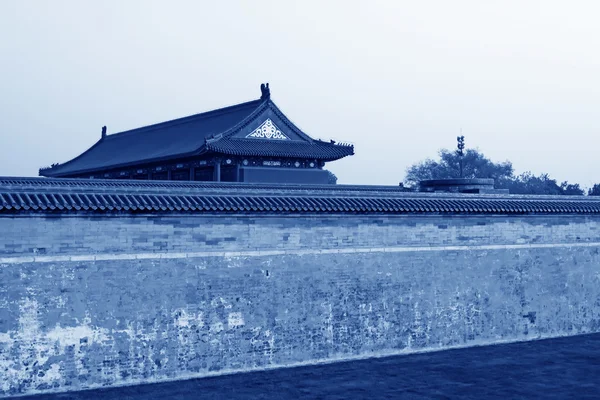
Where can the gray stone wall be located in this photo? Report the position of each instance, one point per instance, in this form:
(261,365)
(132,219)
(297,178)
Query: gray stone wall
(100,301)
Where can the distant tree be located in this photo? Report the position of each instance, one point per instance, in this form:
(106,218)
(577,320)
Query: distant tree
(331,178)
(528,183)
(571,189)
(595,190)
(474,165)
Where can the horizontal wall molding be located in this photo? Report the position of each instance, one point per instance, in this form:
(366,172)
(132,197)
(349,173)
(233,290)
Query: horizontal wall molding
(293,252)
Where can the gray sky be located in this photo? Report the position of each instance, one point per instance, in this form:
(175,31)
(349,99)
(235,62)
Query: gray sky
(399,79)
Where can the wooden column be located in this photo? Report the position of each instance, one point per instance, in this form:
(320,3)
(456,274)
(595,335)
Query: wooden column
(192,173)
(218,171)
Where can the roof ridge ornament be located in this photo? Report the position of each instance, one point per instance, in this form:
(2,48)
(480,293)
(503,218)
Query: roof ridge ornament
(268,130)
(265,91)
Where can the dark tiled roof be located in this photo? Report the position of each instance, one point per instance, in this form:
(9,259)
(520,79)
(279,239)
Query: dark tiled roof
(215,131)
(171,139)
(30,195)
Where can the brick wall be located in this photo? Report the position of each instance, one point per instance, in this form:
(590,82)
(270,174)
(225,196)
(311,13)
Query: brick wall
(95,301)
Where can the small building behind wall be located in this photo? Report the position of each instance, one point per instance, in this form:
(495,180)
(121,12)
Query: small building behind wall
(247,142)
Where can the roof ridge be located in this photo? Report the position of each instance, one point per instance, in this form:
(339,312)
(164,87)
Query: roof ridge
(240,125)
(288,122)
(268,103)
(177,121)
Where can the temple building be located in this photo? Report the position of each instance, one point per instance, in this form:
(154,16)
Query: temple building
(248,142)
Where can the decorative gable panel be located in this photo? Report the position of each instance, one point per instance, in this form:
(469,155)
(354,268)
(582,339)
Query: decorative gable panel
(267,130)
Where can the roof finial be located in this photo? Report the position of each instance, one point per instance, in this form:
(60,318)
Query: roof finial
(265,91)
(103,132)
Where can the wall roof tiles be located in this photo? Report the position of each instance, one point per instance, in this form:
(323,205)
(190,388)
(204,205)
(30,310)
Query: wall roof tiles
(40,195)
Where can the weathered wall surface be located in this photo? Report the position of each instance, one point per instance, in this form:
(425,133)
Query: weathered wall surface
(92,301)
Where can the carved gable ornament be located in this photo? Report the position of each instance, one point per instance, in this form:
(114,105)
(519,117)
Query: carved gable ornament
(267,130)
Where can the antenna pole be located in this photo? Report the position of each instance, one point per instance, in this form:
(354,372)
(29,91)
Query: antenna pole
(459,151)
